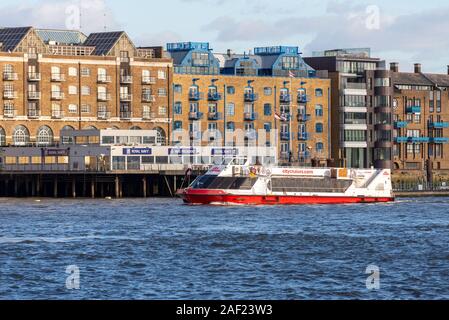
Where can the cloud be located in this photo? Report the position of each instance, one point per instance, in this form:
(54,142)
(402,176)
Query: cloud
(95,15)
(158,38)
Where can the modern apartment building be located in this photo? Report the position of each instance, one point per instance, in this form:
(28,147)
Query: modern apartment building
(421,122)
(58,79)
(271,89)
(361,113)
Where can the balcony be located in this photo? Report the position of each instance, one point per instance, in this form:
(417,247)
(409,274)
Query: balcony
(148,97)
(34,76)
(102,96)
(250,116)
(214,96)
(214,116)
(195,96)
(285,136)
(303,136)
(285,117)
(400,124)
(251,97)
(148,115)
(57,114)
(195,135)
(127,115)
(10,76)
(126,97)
(419,139)
(413,109)
(57,77)
(401,139)
(439,125)
(195,116)
(34,95)
(103,78)
(286,98)
(303,98)
(148,80)
(57,95)
(355,86)
(439,140)
(302,117)
(126,79)
(8,95)
(33,113)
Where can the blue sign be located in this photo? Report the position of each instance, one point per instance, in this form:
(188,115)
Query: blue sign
(137,151)
(182,151)
(225,152)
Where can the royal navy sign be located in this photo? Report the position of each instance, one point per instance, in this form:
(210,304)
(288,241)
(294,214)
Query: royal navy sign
(225,152)
(182,151)
(56,152)
(137,151)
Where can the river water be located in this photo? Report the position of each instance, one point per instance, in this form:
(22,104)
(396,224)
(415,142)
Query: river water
(162,249)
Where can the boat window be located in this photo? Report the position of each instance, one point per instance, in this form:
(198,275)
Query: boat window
(224,183)
(309,185)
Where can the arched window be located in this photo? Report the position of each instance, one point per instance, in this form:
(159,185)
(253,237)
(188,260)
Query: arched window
(21,136)
(44,136)
(160,136)
(64,138)
(90,128)
(2,137)
(319,128)
(135,128)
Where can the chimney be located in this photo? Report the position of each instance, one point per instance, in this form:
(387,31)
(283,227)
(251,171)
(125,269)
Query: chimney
(394,67)
(417,67)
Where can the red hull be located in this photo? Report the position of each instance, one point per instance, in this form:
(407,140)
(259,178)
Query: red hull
(206,197)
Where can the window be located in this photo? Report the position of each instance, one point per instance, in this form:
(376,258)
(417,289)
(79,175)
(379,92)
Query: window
(230,109)
(73,108)
(178,88)
(178,107)
(319,110)
(230,126)
(21,136)
(85,91)
(267,109)
(44,136)
(2,137)
(162,111)
(161,74)
(319,92)
(231,90)
(85,108)
(319,128)
(319,147)
(267,126)
(162,92)
(268,91)
(85,72)
(73,72)
(177,126)
(73,90)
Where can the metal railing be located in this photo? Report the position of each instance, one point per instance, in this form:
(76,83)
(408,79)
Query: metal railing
(420,186)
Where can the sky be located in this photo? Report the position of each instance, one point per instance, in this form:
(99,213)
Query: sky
(404,31)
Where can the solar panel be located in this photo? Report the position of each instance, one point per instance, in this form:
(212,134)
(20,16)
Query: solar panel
(11,37)
(103,42)
(61,36)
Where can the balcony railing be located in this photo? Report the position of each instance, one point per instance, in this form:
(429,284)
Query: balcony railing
(400,124)
(401,139)
(302,136)
(285,116)
(57,77)
(126,115)
(214,96)
(412,139)
(439,125)
(34,95)
(302,117)
(195,116)
(103,115)
(148,97)
(250,116)
(57,114)
(10,76)
(413,109)
(126,79)
(303,98)
(34,76)
(214,116)
(102,96)
(439,140)
(103,78)
(9,113)
(57,95)
(251,97)
(148,115)
(33,113)
(195,96)
(357,86)
(285,136)
(126,96)
(286,98)
(9,94)
(148,80)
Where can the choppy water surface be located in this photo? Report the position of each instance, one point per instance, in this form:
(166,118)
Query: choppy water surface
(161,249)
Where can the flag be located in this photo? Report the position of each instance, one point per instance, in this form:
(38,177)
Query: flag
(291,74)
(279,117)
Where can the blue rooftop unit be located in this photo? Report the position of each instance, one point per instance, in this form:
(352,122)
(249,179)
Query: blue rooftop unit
(276,50)
(187,46)
(193,58)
